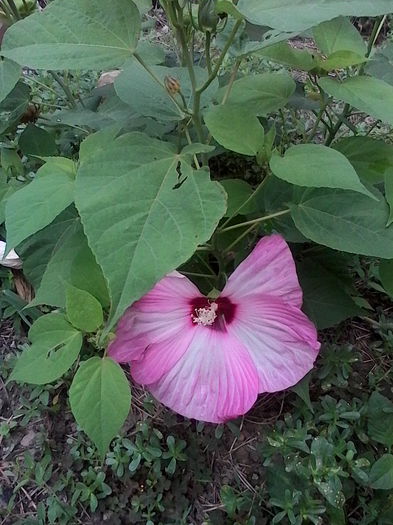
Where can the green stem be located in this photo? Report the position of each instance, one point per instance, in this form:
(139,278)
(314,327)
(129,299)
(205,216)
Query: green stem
(187,58)
(220,257)
(157,79)
(212,76)
(240,238)
(317,122)
(196,161)
(347,108)
(31,78)
(193,274)
(254,221)
(250,198)
(374,36)
(332,134)
(231,80)
(8,12)
(373,127)
(208,41)
(220,60)
(284,126)
(65,88)
(14,9)
(228,89)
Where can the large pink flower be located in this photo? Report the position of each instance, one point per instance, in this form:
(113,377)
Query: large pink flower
(208,359)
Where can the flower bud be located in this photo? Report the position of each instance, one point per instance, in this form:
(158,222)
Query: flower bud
(207,16)
(172,85)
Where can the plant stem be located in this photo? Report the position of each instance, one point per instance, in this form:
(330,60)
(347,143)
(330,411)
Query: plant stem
(250,198)
(192,274)
(220,60)
(373,127)
(374,36)
(316,123)
(187,58)
(254,221)
(231,80)
(228,89)
(196,161)
(240,238)
(14,9)
(334,131)
(65,88)
(208,41)
(347,108)
(7,11)
(155,77)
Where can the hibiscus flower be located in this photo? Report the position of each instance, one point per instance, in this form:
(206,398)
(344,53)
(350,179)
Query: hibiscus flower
(209,359)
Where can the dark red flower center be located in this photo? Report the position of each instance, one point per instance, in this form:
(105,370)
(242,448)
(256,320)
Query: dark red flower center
(208,312)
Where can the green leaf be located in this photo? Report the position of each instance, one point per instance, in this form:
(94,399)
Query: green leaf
(316,166)
(11,162)
(137,88)
(10,73)
(299,15)
(37,141)
(381,473)
(344,220)
(152,193)
(83,310)
(339,34)
(229,500)
(13,107)
(37,204)
(386,276)
(55,347)
(100,400)
(87,275)
(275,196)
(238,191)
(381,64)
(70,260)
(264,93)
(302,389)
(389,193)
(325,300)
(371,158)
(284,53)
(227,6)
(370,95)
(75,34)
(380,419)
(341,60)
(265,39)
(143,6)
(38,249)
(98,141)
(235,128)
(6,190)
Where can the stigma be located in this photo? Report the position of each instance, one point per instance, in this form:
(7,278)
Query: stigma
(205,316)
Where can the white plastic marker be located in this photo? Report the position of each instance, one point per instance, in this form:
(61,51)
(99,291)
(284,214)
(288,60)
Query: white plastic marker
(12,260)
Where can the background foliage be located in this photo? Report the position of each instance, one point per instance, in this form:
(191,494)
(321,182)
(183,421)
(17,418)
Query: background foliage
(221,122)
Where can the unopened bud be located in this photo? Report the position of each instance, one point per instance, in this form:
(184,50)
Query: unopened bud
(207,16)
(172,85)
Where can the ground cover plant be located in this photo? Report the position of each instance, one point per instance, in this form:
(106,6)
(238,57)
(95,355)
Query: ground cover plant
(196,143)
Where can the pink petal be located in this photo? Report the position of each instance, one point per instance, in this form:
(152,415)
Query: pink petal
(160,357)
(214,381)
(268,270)
(162,312)
(280,339)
